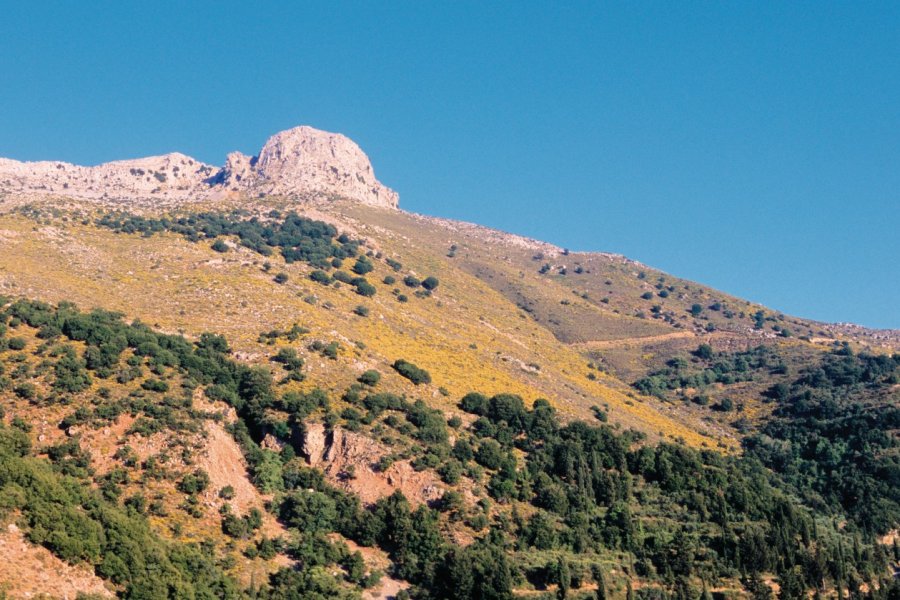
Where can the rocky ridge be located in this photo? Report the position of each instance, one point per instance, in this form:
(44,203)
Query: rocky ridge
(301,162)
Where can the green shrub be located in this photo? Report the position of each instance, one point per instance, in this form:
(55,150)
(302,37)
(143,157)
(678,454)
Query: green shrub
(288,358)
(194,483)
(70,373)
(343,277)
(25,391)
(362,266)
(370,378)
(450,472)
(364,288)
(411,372)
(489,454)
(329,350)
(318,276)
(242,527)
(704,351)
(474,403)
(155,385)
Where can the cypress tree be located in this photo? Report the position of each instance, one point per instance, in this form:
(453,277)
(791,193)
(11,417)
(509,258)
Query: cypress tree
(564,578)
(601,583)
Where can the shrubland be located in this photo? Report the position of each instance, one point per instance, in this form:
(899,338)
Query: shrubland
(575,507)
(577,438)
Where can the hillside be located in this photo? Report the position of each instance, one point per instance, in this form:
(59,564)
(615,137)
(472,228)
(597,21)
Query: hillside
(270,374)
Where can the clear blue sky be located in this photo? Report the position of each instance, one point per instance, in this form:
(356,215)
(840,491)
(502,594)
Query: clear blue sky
(751,146)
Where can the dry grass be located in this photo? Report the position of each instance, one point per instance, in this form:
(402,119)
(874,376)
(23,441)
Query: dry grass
(467,335)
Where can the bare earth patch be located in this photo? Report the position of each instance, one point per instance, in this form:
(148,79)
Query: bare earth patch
(28,571)
(349,461)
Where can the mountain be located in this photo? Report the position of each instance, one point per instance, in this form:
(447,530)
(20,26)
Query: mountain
(269,373)
(302,160)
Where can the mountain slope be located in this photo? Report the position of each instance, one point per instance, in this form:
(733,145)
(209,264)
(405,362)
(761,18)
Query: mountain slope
(324,360)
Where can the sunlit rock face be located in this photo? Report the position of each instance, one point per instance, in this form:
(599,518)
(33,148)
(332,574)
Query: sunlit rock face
(302,162)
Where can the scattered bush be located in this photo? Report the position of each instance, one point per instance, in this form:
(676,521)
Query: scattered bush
(343,277)
(194,483)
(318,276)
(362,266)
(25,391)
(370,378)
(411,372)
(704,351)
(364,288)
(289,359)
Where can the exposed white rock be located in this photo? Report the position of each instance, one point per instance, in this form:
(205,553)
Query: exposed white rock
(237,169)
(302,162)
(169,176)
(314,443)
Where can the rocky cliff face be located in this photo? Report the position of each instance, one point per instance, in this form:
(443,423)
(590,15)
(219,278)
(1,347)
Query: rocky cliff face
(302,162)
(349,460)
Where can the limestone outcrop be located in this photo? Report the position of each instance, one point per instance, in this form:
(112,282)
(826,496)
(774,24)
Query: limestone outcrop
(304,163)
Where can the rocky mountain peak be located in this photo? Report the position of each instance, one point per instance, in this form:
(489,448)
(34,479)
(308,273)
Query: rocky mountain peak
(302,162)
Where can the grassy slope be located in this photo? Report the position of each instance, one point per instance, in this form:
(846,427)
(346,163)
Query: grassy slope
(470,335)
(495,324)
(467,335)
(620,335)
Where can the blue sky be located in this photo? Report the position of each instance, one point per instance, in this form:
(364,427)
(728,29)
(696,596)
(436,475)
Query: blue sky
(754,147)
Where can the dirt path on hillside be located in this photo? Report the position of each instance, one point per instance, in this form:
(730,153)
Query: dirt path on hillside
(650,339)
